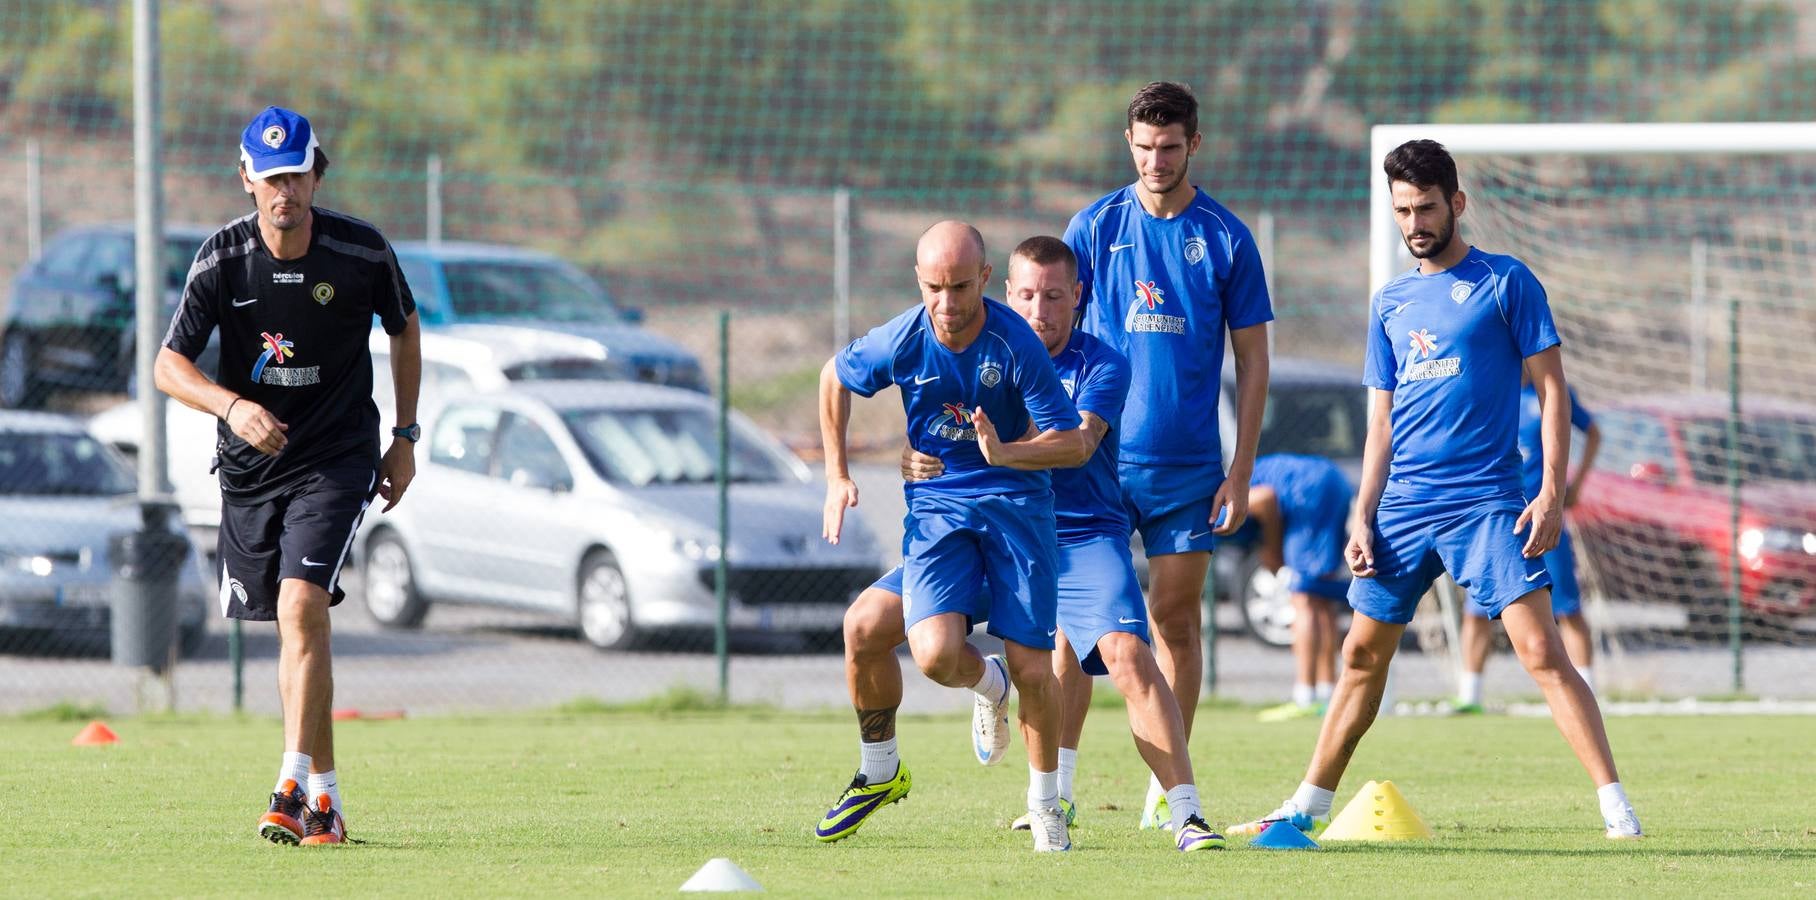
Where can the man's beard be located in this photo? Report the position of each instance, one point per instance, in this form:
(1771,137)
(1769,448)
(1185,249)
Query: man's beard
(1179,179)
(1440,241)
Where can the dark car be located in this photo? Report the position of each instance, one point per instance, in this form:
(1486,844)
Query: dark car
(69,323)
(1656,519)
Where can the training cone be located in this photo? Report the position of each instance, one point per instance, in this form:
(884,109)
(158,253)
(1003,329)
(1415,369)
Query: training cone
(1283,836)
(721,874)
(1378,813)
(95,734)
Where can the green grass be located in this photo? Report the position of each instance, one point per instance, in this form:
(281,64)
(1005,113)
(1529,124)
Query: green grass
(609,802)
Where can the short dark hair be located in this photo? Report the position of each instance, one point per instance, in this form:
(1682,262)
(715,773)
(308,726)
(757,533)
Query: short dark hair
(1045,250)
(1423,164)
(1163,103)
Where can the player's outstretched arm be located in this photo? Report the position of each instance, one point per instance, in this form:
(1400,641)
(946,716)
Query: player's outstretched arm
(835,419)
(1249,345)
(1052,449)
(1377,450)
(1543,519)
(177,375)
(398,468)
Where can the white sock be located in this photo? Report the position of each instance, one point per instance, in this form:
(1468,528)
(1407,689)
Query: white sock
(1155,792)
(880,761)
(1312,799)
(1043,789)
(994,685)
(1068,766)
(1469,688)
(1302,694)
(1588,673)
(1613,799)
(1323,691)
(1182,804)
(295,768)
(324,783)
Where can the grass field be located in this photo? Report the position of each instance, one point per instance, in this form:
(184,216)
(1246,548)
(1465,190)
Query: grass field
(615,803)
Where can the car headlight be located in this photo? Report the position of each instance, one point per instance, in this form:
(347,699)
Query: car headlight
(697,549)
(28,564)
(1754,541)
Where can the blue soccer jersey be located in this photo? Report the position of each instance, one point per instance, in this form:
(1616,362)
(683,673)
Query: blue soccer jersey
(1163,292)
(1532,446)
(1088,500)
(1006,370)
(1450,347)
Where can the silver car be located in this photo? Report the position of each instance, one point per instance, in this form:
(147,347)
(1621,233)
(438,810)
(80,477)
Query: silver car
(63,494)
(595,502)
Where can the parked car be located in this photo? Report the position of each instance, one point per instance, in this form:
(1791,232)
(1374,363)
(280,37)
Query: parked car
(595,502)
(1313,408)
(1655,516)
(458,282)
(63,494)
(456,361)
(70,321)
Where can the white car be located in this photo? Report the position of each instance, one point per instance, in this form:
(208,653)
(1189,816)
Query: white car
(596,502)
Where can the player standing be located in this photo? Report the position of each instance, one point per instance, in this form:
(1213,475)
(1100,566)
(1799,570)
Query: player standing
(1446,345)
(979,541)
(1302,503)
(293,288)
(1166,271)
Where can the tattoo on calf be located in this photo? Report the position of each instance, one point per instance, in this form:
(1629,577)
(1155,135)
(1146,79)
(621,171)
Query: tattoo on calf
(876,724)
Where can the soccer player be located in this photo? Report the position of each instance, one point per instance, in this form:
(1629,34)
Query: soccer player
(1446,341)
(1101,620)
(1302,503)
(1566,596)
(1166,271)
(979,541)
(293,288)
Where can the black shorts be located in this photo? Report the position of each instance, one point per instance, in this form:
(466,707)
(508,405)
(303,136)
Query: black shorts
(304,533)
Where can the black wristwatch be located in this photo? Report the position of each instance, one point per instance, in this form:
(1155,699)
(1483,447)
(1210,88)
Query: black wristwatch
(411,432)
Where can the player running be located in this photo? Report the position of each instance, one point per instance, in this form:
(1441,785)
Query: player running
(293,288)
(1445,350)
(1302,503)
(1166,270)
(979,541)
(1101,620)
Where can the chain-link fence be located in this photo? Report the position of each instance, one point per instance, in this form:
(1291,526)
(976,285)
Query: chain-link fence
(578,189)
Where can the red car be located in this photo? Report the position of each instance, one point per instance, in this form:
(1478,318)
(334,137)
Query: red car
(1655,515)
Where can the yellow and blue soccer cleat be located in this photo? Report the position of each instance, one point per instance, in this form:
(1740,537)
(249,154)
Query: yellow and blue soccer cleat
(1156,814)
(1305,822)
(859,801)
(1197,835)
(1065,806)
(1287,712)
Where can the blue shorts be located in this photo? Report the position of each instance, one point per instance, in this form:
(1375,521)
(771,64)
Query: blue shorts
(990,559)
(1171,505)
(1098,595)
(1566,594)
(1418,536)
(1335,590)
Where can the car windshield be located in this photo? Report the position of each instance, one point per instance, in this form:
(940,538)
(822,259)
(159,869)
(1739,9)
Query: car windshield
(562,369)
(1781,449)
(527,289)
(179,254)
(643,447)
(48,464)
(1319,420)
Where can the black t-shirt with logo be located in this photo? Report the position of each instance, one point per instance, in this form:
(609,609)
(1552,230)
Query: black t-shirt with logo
(294,340)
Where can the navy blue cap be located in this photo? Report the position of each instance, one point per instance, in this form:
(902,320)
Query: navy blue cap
(277,141)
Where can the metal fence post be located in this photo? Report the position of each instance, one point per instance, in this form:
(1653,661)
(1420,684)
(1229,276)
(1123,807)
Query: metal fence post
(841,267)
(34,199)
(432,200)
(1734,488)
(722,573)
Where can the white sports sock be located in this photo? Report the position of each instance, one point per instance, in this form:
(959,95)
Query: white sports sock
(294,768)
(1068,766)
(1312,799)
(880,761)
(1043,788)
(1613,799)
(1469,688)
(1182,804)
(1302,694)
(1588,673)
(1155,792)
(1323,691)
(994,685)
(324,783)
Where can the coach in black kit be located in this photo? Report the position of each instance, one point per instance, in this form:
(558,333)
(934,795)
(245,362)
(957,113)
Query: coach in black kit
(293,289)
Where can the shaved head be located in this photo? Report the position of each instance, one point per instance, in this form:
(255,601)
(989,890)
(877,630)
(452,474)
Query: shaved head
(951,242)
(949,264)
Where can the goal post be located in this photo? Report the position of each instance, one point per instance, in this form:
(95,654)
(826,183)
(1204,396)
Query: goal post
(1680,259)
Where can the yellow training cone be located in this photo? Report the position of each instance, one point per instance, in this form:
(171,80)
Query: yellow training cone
(1378,813)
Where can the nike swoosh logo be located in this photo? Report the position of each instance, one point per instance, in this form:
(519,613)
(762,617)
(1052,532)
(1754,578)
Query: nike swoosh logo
(918,380)
(1196,536)
(245,302)
(1052,632)
(310,562)
(1534,576)
(1116,247)
(1125,620)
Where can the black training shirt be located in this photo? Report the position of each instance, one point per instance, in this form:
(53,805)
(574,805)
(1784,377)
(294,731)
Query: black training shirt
(294,340)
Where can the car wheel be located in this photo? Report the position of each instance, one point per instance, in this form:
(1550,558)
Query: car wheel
(1266,604)
(603,604)
(390,591)
(15,372)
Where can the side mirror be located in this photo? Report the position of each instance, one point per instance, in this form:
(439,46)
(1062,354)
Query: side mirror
(1647,473)
(542,481)
(118,281)
(632,315)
